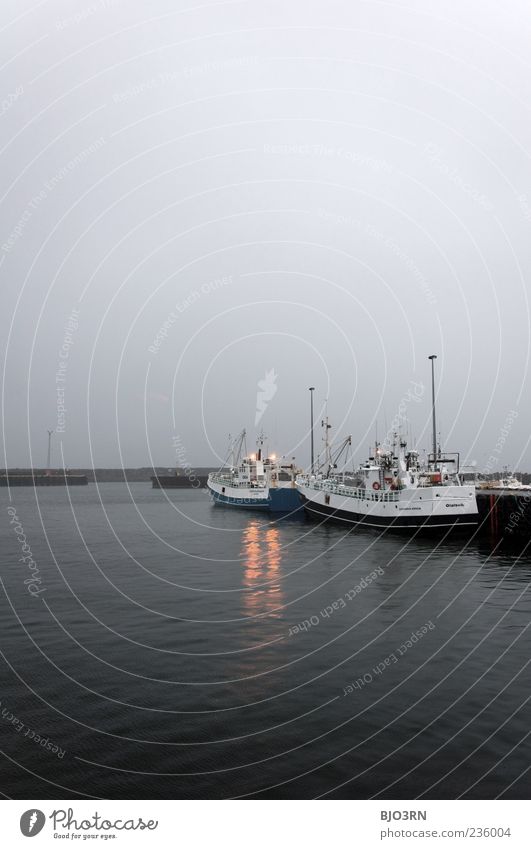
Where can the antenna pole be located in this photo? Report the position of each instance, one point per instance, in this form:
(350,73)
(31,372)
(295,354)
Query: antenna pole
(433,357)
(328,451)
(312,389)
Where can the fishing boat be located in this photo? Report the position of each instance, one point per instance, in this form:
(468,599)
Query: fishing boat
(256,481)
(508,481)
(393,489)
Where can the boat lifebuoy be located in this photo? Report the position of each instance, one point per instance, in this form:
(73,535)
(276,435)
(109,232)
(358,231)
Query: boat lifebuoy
(376,485)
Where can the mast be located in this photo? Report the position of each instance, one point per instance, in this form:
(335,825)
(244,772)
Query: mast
(259,445)
(433,357)
(327,452)
(311,390)
(242,446)
(237,446)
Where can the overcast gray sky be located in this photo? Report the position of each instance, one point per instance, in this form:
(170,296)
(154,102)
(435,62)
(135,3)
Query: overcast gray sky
(200,197)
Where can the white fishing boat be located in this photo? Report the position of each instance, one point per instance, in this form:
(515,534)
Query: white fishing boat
(508,481)
(255,481)
(392,489)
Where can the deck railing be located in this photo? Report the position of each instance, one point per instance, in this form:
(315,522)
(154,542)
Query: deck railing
(226,480)
(354,492)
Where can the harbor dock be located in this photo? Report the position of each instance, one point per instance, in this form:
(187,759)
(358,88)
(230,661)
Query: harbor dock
(41,478)
(174,481)
(505,513)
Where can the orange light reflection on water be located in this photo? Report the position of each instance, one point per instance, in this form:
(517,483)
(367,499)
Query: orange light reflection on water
(261,556)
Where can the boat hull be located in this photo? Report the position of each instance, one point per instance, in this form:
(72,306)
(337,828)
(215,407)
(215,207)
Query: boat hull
(443,508)
(275,499)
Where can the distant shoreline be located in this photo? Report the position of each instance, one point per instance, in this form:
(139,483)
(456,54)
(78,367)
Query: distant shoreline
(145,473)
(106,475)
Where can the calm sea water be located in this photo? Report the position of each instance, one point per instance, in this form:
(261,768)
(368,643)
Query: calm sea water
(185,650)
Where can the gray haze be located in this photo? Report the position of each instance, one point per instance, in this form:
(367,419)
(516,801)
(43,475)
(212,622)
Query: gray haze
(299,193)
